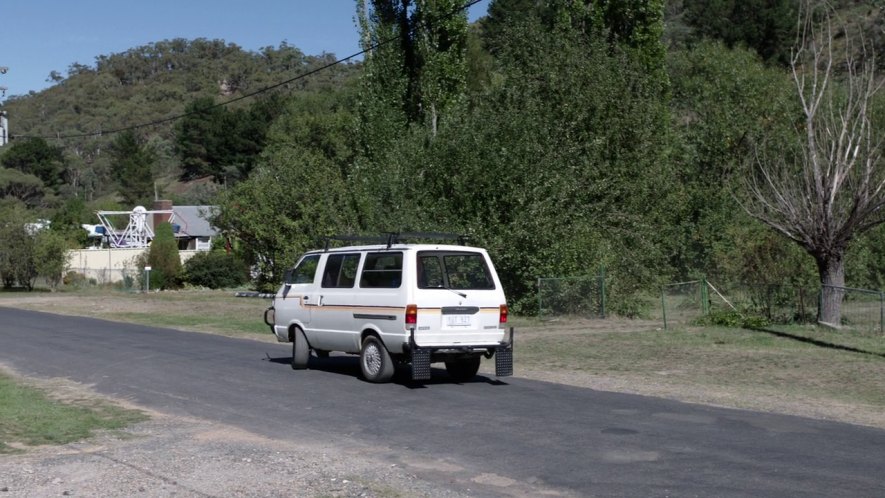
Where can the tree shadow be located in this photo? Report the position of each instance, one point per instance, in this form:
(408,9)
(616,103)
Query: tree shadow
(815,342)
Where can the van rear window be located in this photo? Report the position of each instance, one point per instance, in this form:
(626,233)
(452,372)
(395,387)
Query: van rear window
(453,270)
(382,270)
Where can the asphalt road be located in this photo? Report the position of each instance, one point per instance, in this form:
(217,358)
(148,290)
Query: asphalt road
(575,440)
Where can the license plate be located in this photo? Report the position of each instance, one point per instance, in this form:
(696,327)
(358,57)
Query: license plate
(458,320)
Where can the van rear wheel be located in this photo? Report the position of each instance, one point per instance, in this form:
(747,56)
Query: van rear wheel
(300,350)
(463,369)
(375,361)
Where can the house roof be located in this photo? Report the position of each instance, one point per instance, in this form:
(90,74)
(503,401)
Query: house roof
(194,222)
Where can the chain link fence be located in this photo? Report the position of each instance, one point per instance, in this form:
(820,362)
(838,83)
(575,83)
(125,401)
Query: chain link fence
(683,302)
(691,302)
(581,297)
(863,310)
(124,280)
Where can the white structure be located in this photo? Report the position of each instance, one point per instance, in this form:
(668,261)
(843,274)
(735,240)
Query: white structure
(137,233)
(108,266)
(4,129)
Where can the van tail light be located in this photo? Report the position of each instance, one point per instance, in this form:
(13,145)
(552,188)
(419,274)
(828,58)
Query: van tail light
(502,315)
(411,314)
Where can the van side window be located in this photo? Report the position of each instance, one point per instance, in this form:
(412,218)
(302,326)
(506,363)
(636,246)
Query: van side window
(305,272)
(382,270)
(341,270)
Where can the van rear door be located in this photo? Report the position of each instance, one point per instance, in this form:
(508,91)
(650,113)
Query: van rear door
(459,299)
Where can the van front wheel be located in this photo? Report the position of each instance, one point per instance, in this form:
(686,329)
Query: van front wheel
(375,361)
(463,369)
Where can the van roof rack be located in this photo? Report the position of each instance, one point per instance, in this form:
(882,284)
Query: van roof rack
(399,237)
(373,239)
(391,238)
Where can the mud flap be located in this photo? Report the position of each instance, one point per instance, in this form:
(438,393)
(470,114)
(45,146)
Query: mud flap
(420,364)
(504,358)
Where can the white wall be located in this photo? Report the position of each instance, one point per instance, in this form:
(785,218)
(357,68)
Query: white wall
(110,265)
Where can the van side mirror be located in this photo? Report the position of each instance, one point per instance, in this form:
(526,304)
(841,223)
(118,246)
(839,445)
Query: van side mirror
(286,290)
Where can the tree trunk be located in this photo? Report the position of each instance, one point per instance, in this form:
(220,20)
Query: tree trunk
(832,279)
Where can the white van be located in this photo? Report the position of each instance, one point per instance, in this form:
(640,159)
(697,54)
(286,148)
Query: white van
(396,303)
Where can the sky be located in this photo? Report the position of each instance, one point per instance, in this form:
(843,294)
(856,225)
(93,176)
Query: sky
(41,36)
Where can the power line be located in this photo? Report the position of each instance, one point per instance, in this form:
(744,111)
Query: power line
(176,117)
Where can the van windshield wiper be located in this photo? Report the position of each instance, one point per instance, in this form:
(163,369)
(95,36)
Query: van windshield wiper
(456,292)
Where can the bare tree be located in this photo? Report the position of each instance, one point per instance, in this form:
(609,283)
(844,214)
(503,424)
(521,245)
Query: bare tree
(834,189)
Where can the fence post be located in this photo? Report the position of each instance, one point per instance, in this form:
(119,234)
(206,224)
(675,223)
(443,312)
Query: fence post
(664,307)
(602,288)
(540,308)
(881,312)
(705,297)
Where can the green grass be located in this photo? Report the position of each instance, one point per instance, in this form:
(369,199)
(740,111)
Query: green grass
(29,416)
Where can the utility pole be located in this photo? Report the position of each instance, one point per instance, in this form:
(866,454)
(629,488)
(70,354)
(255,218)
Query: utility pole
(4,123)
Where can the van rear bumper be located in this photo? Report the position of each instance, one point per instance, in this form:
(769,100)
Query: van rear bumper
(423,356)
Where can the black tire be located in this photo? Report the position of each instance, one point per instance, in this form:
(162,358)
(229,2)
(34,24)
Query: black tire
(300,350)
(375,362)
(464,369)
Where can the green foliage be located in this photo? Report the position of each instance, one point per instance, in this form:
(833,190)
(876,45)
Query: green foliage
(420,78)
(17,261)
(164,260)
(718,118)
(22,187)
(132,162)
(212,140)
(567,179)
(296,194)
(736,319)
(50,256)
(68,218)
(34,156)
(216,270)
(766,26)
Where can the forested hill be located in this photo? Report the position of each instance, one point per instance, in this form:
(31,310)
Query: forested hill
(153,83)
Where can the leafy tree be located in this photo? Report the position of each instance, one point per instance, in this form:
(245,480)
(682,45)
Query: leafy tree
(68,219)
(293,199)
(717,117)
(132,161)
(215,141)
(34,156)
(50,256)
(297,193)
(17,263)
(21,186)
(163,258)
(766,26)
(569,178)
(418,78)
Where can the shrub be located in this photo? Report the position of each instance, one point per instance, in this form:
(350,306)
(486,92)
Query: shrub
(216,270)
(74,279)
(164,260)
